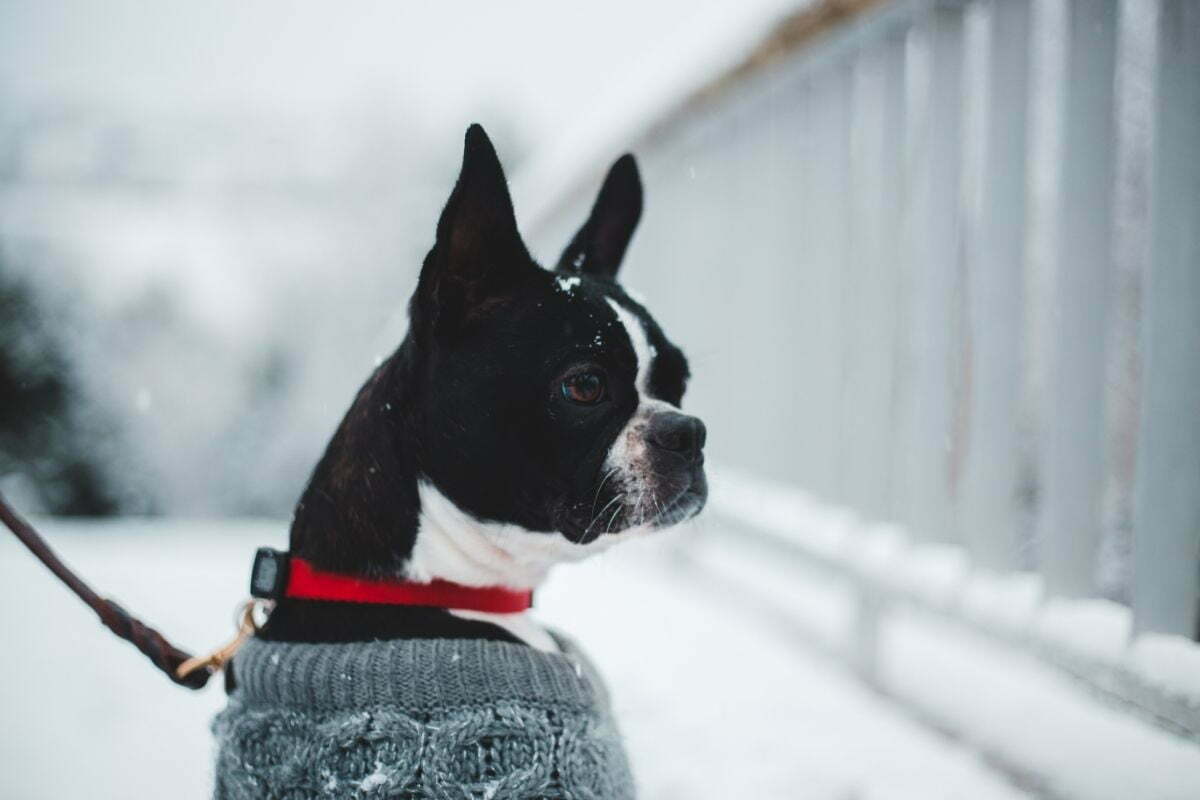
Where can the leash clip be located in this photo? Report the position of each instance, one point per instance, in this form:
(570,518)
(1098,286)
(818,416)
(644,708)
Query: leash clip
(217,659)
(268,580)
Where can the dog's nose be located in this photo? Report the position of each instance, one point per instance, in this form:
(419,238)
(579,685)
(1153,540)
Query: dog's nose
(678,433)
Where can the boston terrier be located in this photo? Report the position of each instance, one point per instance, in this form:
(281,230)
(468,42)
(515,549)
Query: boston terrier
(529,417)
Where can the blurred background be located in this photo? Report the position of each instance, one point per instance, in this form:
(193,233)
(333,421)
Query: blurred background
(935,263)
(212,217)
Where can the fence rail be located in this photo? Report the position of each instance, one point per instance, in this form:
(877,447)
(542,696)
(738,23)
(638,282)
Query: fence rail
(884,572)
(939,262)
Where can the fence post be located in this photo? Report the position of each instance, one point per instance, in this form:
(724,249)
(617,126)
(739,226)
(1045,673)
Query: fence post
(995,296)
(900,411)
(829,230)
(934,240)
(870,288)
(1074,413)
(1167,496)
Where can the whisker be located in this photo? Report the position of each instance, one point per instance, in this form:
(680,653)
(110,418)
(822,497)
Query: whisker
(611,520)
(599,488)
(596,518)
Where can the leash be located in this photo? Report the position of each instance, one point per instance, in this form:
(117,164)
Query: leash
(178,665)
(276,575)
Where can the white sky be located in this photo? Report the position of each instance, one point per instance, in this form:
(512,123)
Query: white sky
(543,62)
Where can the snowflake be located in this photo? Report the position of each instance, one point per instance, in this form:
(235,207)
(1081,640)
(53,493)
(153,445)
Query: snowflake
(568,284)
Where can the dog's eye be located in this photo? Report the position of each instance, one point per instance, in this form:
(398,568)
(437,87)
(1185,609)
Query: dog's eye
(584,388)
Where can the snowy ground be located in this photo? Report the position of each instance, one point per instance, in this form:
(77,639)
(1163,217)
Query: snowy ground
(713,702)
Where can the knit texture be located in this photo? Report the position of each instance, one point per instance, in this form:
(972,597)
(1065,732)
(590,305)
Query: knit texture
(459,719)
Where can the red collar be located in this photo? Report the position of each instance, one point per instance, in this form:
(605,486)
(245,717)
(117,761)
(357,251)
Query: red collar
(306,582)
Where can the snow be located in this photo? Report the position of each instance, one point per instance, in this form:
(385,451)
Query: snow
(817,608)
(877,550)
(763,716)
(331,781)
(1096,634)
(1004,602)
(1171,662)
(714,700)
(1016,709)
(935,573)
(1014,703)
(1095,629)
(375,780)
(720,651)
(1029,715)
(76,695)
(790,514)
(567,285)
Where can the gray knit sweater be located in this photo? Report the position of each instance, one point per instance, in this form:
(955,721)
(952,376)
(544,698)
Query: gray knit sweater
(420,718)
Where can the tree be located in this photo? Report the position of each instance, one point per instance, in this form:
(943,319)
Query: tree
(43,436)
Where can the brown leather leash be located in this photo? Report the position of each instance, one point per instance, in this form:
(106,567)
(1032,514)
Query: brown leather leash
(181,667)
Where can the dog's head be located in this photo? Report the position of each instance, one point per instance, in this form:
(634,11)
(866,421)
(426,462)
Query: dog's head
(545,402)
(549,400)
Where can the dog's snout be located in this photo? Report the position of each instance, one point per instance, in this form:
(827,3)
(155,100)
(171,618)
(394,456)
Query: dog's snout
(678,433)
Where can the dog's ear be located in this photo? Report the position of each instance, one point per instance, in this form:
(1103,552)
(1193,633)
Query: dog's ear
(478,254)
(599,246)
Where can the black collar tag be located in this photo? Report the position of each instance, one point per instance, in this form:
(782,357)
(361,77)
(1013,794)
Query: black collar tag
(269,575)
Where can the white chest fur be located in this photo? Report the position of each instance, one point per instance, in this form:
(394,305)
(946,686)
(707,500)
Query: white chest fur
(454,546)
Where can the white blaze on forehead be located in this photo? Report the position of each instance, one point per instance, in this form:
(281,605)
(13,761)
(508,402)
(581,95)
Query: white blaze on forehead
(628,458)
(642,349)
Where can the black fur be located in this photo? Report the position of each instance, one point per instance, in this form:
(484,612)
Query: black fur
(600,245)
(315,621)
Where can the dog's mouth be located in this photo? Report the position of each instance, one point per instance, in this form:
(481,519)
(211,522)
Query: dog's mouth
(639,504)
(686,504)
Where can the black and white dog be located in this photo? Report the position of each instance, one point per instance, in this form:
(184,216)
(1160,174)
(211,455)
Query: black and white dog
(529,417)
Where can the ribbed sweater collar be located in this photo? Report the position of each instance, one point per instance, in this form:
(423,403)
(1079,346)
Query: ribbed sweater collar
(417,675)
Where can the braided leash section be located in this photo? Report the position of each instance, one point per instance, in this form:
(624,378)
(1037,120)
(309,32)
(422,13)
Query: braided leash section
(164,655)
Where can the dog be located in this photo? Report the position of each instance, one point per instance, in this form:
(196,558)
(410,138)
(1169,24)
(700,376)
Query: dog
(530,417)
